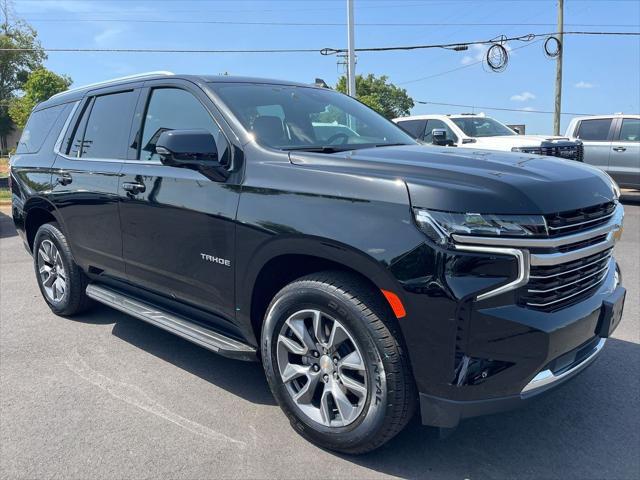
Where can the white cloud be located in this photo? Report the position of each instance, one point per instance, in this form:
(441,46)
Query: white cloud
(105,36)
(523,97)
(477,53)
(583,84)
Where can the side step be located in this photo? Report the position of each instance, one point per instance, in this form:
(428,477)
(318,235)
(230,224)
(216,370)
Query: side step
(180,326)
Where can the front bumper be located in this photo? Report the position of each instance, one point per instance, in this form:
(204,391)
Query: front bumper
(477,349)
(445,413)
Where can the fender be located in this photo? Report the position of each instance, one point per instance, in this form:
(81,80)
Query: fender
(21,216)
(323,249)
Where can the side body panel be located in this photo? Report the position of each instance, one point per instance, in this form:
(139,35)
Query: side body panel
(178,230)
(31,175)
(624,159)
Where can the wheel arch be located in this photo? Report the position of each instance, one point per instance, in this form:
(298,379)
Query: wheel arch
(282,261)
(37,212)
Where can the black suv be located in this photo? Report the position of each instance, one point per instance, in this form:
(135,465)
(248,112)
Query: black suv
(289,223)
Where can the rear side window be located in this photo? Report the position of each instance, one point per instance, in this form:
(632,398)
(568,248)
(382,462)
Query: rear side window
(596,130)
(630,131)
(37,129)
(103,130)
(415,128)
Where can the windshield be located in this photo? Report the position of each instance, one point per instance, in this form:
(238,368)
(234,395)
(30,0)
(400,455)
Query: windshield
(482,127)
(303,118)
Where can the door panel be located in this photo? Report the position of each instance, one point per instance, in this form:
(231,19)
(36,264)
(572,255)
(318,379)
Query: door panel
(624,159)
(169,228)
(596,138)
(85,180)
(177,224)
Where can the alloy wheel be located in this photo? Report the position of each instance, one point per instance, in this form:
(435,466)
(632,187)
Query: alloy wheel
(51,269)
(322,368)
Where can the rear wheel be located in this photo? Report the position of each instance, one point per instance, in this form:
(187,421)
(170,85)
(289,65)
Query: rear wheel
(62,283)
(336,363)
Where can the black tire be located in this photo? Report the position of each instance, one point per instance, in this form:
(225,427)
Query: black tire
(391,400)
(74,299)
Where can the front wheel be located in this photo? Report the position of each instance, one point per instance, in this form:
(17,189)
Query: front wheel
(336,363)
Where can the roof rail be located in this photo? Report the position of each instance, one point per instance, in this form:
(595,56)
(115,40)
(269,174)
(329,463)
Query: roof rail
(119,79)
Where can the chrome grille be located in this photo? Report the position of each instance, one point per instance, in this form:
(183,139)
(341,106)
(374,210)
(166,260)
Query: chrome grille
(558,286)
(564,223)
(564,268)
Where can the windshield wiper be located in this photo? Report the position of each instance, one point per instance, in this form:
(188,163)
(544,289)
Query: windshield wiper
(319,149)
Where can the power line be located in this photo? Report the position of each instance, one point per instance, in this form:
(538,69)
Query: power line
(478,62)
(162,50)
(493,41)
(519,110)
(325,51)
(321,24)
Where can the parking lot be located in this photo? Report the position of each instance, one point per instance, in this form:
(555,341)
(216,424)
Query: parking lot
(104,395)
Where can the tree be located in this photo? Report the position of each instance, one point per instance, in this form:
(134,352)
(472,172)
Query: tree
(40,86)
(15,64)
(379,94)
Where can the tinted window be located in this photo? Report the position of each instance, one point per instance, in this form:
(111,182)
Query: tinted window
(175,109)
(107,130)
(630,131)
(438,125)
(75,140)
(594,129)
(415,128)
(482,127)
(38,127)
(306,116)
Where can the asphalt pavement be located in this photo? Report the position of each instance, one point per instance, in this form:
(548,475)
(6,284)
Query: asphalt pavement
(107,396)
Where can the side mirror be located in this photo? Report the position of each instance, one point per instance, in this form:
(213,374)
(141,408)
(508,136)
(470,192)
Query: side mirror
(193,149)
(186,147)
(439,137)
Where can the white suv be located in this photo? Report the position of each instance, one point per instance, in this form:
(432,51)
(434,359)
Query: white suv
(481,132)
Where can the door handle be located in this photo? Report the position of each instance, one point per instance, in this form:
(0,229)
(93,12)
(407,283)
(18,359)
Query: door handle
(134,187)
(64,179)
(619,149)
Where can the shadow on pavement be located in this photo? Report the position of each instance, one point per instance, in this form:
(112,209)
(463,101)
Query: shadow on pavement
(6,225)
(244,379)
(588,428)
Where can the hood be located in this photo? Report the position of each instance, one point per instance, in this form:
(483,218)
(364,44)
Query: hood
(507,142)
(479,181)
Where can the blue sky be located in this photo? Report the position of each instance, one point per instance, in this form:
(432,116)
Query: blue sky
(601,74)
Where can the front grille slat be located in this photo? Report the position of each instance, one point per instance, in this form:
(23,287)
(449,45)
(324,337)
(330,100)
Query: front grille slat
(558,286)
(562,285)
(574,221)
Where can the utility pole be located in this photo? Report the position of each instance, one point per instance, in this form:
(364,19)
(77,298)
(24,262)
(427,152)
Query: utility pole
(558,106)
(351,59)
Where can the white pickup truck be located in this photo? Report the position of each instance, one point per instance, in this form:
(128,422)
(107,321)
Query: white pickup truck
(481,132)
(611,143)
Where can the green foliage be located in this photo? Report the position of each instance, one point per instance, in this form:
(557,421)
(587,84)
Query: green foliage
(16,65)
(379,94)
(40,86)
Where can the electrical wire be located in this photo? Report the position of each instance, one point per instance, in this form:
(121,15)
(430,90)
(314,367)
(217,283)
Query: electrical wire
(320,24)
(519,110)
(324,51)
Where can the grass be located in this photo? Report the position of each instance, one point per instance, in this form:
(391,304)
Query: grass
(4,167)
(5,195)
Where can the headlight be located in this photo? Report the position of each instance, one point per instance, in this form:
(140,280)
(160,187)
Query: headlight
(615,187)
(439,226)
(536,150)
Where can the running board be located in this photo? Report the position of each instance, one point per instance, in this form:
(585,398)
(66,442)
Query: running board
(180,326)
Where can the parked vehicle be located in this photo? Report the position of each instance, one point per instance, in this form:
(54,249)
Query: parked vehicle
(480,132)
(612,143)
(370,275)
